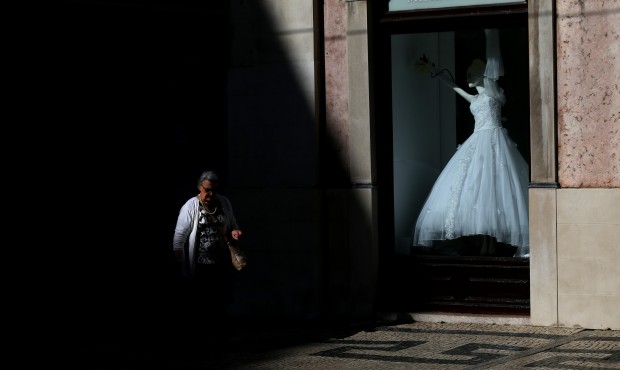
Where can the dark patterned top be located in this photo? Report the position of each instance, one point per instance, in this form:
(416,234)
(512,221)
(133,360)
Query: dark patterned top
(210,245)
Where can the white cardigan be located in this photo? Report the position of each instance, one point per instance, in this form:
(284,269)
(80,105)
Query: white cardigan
(187,226)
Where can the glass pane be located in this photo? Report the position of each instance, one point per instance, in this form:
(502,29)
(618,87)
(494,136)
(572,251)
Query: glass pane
(431,121)
(397,5)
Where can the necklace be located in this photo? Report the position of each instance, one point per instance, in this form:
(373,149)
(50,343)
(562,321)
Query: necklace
(205,206)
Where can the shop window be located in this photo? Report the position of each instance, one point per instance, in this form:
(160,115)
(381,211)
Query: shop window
(430,121)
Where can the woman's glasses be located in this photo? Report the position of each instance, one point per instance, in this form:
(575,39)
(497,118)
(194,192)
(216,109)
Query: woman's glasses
(208,190)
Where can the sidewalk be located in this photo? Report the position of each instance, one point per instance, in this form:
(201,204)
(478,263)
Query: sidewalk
(411,345)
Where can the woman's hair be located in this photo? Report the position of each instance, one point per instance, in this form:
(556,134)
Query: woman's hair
(210,176)
(475,72)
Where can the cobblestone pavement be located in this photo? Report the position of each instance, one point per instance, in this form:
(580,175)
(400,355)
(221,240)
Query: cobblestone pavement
(417,345)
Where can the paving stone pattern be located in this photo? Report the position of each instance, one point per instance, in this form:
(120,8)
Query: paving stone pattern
(447,346)
(417,345)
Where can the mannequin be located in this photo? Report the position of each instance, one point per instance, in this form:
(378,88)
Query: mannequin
(482,190)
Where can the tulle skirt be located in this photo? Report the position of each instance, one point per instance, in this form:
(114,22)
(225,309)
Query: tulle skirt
(481,191)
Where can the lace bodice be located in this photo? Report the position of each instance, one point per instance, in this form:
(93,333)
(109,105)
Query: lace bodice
(487,112)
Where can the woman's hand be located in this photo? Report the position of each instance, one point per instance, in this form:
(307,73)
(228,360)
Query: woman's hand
(236,234)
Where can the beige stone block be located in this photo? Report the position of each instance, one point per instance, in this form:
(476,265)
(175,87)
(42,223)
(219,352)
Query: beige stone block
(589,276)
(589,311)
(360,148)
(543,130)
(299,45)
(589,206)
(363,256)
(287,15)
(543,260)
(598,241)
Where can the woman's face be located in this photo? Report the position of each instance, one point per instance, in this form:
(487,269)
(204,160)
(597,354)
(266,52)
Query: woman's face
(207,192)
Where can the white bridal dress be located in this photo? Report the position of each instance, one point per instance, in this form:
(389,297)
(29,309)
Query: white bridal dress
(483,188)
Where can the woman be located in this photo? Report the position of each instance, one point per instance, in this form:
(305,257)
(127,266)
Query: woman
(205,257)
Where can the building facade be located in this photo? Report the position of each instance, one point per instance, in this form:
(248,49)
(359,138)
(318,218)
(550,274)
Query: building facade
(315,117)
(312,162)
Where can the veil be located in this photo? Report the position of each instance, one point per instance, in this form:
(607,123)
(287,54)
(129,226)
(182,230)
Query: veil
(494,65)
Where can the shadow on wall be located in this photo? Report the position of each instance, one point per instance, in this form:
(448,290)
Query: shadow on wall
(131,98)
(141,96)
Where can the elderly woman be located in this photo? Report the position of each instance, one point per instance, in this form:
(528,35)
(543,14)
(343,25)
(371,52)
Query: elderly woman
(202,248)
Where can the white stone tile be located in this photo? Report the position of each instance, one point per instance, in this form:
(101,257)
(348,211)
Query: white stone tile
(589,206)
(589,276)
(592,241)
(589,311)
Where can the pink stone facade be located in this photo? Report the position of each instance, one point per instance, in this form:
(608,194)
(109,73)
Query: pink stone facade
(336,76)
(588,93)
